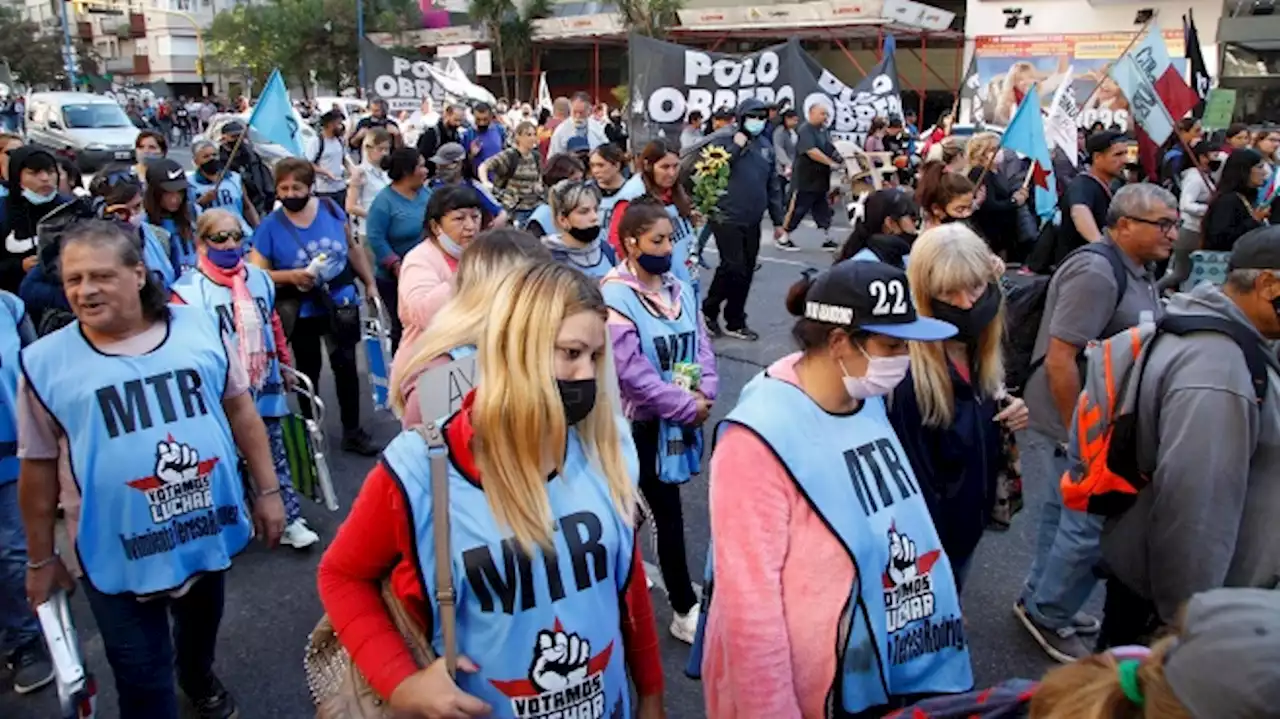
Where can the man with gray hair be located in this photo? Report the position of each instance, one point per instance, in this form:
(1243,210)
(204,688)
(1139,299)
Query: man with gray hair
(1099,289)
(228,195)
(1208,435)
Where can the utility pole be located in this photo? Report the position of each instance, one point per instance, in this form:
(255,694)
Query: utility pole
(359,42)
(68,50)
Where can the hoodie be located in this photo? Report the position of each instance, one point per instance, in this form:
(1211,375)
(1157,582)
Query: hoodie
(21,219)
(754,185)
(1207,519)
(1193,200)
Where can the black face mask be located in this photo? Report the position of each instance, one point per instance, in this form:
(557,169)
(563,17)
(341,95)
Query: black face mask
(295,204)
(1215,165)
(585,234)
(578,397)
(970,323)
(385,162)
(482,128)
(211,167)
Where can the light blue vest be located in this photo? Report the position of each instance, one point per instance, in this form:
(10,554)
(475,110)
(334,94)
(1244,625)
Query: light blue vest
(606,214)
(542,214)
(151,452)
(155,255)
(515,610)
(682,237)
(664,343)
(196,289)
(853,472)
(604,262)
(182,254)
(12,310)
(229,197)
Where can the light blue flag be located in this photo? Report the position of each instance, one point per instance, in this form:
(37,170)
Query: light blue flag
(1025,134)
(273,116)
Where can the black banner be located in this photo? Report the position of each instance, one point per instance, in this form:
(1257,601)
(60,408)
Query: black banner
(402,82)
(1200,80)
(669,80)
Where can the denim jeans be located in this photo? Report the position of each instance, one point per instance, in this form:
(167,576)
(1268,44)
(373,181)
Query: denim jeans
(1068,543)
(18,625)
(143,653)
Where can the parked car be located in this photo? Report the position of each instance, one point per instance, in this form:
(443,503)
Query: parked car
(352,107)
(91,129)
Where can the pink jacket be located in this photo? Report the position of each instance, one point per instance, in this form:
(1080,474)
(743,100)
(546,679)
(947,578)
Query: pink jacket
(781,581)
(426,275)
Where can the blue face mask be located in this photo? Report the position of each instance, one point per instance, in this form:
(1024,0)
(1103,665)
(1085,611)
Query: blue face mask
(754,126)
(37,199)
(654,264)
(226,259)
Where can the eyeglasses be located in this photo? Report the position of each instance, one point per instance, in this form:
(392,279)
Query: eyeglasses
(1166,225)
(219,238)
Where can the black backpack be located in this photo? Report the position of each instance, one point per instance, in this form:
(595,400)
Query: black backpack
(1024,311)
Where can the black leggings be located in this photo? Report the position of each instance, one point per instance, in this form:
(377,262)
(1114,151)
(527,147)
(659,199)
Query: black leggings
(668,519)
(307,334)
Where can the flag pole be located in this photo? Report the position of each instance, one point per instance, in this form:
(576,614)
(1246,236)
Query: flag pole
(1106,70)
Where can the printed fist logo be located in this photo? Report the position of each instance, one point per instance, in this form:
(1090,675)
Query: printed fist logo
(176,462)
(560,660)
(564,679)
(902,558)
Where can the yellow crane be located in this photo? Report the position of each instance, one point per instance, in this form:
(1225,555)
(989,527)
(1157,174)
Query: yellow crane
(82,6)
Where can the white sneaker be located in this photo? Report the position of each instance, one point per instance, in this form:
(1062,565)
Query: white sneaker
(298,535)
(648,583)
(685,626)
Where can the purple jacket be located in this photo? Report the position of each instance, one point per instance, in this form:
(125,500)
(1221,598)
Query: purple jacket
(644,394)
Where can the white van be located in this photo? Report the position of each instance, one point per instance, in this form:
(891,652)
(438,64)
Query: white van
(92,128)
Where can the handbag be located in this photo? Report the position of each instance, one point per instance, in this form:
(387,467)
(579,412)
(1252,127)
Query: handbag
(337,687)
(344,320)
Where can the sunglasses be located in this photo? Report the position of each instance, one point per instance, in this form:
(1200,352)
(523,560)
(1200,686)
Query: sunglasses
(219,238)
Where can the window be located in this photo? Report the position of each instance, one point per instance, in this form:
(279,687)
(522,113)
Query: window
(94,115)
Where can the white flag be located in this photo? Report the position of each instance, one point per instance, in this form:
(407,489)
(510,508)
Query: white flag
(544,92)
(1060,125)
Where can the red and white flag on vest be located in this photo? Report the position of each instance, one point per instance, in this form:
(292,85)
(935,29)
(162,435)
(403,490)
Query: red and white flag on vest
(1158,94)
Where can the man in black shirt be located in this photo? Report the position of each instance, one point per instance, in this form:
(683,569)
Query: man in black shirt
(449,129)
(1089,194)
(377,118)
(816,157)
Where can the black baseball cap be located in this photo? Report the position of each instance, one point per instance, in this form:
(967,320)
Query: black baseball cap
(873,297)
(1257,249)
(167,175)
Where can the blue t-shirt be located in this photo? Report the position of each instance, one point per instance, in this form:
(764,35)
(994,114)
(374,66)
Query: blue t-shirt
(487,203)
(492,140)
(289,247)
(394,225)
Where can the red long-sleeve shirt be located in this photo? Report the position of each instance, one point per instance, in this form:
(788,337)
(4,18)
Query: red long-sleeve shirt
(377,535)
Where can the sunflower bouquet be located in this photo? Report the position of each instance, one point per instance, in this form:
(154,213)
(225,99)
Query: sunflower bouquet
(710,180)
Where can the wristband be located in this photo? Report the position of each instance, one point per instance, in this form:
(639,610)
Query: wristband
(43,562)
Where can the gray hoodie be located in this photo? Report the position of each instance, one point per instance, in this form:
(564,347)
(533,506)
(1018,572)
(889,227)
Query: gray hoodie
(1208,519)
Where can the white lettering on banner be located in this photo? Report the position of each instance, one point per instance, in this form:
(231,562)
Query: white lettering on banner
(736,82)
(849,113)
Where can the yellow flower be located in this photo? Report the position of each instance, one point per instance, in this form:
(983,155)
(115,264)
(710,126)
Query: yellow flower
(716,153)
(700,167)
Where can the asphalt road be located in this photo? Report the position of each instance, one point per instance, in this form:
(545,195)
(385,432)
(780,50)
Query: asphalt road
(272,603)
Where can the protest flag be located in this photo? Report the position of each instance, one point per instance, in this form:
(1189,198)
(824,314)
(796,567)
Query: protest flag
(1025,135)
(1200,80)
(1158,96)
(1060,124)
(273,116)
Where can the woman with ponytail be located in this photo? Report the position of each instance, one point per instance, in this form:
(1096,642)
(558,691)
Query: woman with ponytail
(944,196)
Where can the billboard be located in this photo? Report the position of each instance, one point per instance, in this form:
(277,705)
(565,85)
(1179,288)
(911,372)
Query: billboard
(1007,66)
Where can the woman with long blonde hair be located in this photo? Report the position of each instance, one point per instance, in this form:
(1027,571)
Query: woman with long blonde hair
(455,329)
(546,569)
(949,409)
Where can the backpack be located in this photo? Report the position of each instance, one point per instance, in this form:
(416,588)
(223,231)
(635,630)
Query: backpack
(1024,311)
(1105,477)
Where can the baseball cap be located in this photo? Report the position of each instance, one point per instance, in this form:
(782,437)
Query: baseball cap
(449,153)
(233,127)
(873,297)
(167,175)
(1226,664)
(1257,249)
(577,143)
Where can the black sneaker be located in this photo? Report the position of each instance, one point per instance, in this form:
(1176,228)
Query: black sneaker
(217,704)
(785,243)
(358,441)
(830,246)
(743,333)
(713,325)
(31,667)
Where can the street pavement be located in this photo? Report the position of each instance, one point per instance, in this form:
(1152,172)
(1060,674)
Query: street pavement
(271,595)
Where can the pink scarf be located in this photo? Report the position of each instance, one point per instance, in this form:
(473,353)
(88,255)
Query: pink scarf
(249,326)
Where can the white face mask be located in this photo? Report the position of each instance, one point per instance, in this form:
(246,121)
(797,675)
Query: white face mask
(883,374)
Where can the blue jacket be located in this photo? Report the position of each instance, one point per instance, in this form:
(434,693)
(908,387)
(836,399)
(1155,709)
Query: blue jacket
(956,465)
(45,299)
(754,185)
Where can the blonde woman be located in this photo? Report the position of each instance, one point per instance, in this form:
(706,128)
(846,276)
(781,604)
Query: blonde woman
(948,410)
(369,177)
(545,563)
(485,264)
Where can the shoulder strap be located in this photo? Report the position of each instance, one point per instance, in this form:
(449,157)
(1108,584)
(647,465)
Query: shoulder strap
(1118,270)
(445,596)
(1254,355)
(319,149)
